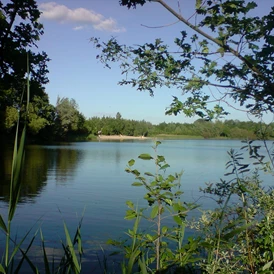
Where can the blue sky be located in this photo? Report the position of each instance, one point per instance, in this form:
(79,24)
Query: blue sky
(75,72)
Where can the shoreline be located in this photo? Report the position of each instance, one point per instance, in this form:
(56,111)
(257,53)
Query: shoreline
(121,137)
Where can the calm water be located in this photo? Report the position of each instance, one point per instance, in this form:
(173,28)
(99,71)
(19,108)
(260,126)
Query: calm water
(64,182)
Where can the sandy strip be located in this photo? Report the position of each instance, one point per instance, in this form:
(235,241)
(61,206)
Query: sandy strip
(121,137)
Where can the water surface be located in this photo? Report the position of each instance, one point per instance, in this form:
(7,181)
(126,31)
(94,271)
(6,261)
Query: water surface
(64,182)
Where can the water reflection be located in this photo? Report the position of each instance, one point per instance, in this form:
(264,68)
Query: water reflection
(65,161)
(5,169)
(38,163)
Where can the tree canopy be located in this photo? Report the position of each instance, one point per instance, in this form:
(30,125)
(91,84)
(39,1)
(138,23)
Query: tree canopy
(20,32)
(224,52)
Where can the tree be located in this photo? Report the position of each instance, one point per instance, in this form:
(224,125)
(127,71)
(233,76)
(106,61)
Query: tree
(20,31)
(41,115)
(118,116)
(68,118)
(230,51)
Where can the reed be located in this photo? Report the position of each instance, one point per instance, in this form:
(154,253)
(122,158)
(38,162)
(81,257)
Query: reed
(71,259)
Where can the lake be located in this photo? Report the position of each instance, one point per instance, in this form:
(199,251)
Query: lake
(67,181)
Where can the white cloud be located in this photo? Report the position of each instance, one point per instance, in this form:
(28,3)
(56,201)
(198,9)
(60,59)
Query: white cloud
(84,17)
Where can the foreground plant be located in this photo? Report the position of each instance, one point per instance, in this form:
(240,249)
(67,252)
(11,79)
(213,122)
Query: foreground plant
(163,244)
(71,260)
(238,234)
(224,50)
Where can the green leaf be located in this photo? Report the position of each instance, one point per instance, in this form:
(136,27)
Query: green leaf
(137,184)
(15,186)
(149,237)
(198,3)
(157,143)
(2,269)
(24,254)
(17,247)
(131,162)
(164,166)
(3,225)
(154,212)
(236,231)
(143,266)
(171,178)
(130,217)
(130,204)
(176,207)
(46,262)
(160,158)
(168,201)
(267,265)
(75,265)
(164,229)
(178,193)
(145,156)
(32,266)
(221,51)
(149,174)
(135,172)
(177,220)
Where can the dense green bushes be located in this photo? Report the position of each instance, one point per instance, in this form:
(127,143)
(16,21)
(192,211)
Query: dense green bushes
(207,129)
(234,236)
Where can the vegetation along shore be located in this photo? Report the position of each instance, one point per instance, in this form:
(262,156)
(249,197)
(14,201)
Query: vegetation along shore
(222,57)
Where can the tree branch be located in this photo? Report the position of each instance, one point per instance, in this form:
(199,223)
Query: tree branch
(214,40)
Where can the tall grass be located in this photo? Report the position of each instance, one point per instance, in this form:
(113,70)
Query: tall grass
(71,259)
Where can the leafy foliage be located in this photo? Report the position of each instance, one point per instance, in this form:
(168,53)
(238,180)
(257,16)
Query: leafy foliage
(68,117)
(235,235)
(200,128)
(230,55)
(71,260)
(235,229)
(152,248)
(20,31)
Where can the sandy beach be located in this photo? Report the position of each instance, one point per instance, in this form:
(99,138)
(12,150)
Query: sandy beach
(121,137)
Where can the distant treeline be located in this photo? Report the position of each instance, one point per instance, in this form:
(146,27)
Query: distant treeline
(64,122)
(207,129)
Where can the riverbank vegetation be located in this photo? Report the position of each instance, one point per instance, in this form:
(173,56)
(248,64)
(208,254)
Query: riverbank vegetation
(64,120)
(234,237)
(222,55)
(68,124)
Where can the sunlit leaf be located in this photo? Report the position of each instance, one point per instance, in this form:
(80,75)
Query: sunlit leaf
(178,220)
(137,184)
(165,166)
(267,265)
(149,174)
(131,162)
(130,217)
(168,201)
(198,3)
(154,212)
(145,156)
(135,172)
(157,143)
(164,229)
(160,158)
(149,237)
(130,204)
